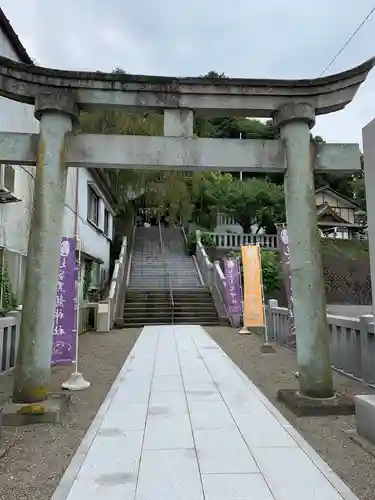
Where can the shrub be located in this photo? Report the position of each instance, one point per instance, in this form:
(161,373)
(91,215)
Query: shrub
(191,243)
(207,240)
(271,271)
(9,300)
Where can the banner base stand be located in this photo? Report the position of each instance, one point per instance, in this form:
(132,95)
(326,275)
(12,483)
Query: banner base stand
(267,349)
(244,331)
(75,382)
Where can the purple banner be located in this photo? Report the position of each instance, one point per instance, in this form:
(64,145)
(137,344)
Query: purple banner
(232,275)
(64,331)
(283,244)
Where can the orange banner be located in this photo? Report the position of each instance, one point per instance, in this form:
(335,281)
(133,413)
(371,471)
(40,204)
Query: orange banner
(253,314)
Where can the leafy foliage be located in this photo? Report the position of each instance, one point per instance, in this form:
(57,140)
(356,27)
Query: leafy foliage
(271,272)
(9,300)
(259,202)
(87,279)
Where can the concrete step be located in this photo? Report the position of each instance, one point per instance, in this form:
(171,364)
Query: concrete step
(150,270)
(161,285)
(194,306)
(166,321)
(165,285)
(163,279)
(162,270)
(179,295)
(181,275)
(167,308)
(176,317)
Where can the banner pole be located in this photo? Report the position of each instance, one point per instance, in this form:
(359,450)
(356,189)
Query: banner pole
(243,330)
(266,348)
(77,300)
(76,381)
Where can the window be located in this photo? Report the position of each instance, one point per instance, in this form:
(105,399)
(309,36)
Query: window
(106,222)
(93,207)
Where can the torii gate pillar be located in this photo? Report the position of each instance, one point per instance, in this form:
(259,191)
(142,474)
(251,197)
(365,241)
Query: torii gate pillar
(32,375)
(313,354)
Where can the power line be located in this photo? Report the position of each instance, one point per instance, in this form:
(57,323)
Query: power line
(349,40)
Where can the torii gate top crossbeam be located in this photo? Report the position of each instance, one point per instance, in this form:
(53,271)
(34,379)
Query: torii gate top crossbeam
(206,96)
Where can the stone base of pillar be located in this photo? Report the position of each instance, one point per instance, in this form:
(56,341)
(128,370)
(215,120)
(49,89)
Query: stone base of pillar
(50,411)
(303,406)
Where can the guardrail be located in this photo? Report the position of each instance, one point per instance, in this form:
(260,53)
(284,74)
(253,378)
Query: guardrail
(107,311)
(235,241)
(352,340)
(213,278)
(193,256)
(9,337)
(10,332)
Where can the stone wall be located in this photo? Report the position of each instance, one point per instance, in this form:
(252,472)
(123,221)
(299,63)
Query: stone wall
(346,267)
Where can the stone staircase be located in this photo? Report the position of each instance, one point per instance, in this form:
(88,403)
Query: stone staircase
(157,261)
(190,307)
(165,285)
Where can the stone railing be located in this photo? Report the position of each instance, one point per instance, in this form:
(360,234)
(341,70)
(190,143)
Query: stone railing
(108,310)
(213,278)
(352,340)
(10,331)
(234,241)
(9,337)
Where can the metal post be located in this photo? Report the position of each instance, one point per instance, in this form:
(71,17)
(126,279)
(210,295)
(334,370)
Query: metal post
(76,381)
(294,121)
(243,330)
(33,369)
(266,348)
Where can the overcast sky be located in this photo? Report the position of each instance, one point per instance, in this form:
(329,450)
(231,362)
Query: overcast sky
(243,38)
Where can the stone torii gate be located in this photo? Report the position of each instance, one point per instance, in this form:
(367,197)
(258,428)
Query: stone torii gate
(58,96)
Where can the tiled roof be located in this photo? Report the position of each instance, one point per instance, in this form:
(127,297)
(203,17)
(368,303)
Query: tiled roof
(20,50)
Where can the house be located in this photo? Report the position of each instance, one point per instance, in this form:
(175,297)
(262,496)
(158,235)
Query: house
(337,217)
(89,214)
(89,203)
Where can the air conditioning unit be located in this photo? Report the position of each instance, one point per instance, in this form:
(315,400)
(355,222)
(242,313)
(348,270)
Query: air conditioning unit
(7,178)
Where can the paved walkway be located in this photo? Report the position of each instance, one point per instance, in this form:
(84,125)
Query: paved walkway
(183,422)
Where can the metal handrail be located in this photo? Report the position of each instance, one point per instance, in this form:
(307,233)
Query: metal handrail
(166,272)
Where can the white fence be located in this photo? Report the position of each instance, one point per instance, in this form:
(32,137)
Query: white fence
(9,337)
(352,340)
(234,241)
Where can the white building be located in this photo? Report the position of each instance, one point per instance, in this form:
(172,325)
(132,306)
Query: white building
(88,206)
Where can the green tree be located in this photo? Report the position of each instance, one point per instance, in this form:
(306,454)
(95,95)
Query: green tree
(211,192)
(260,202)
